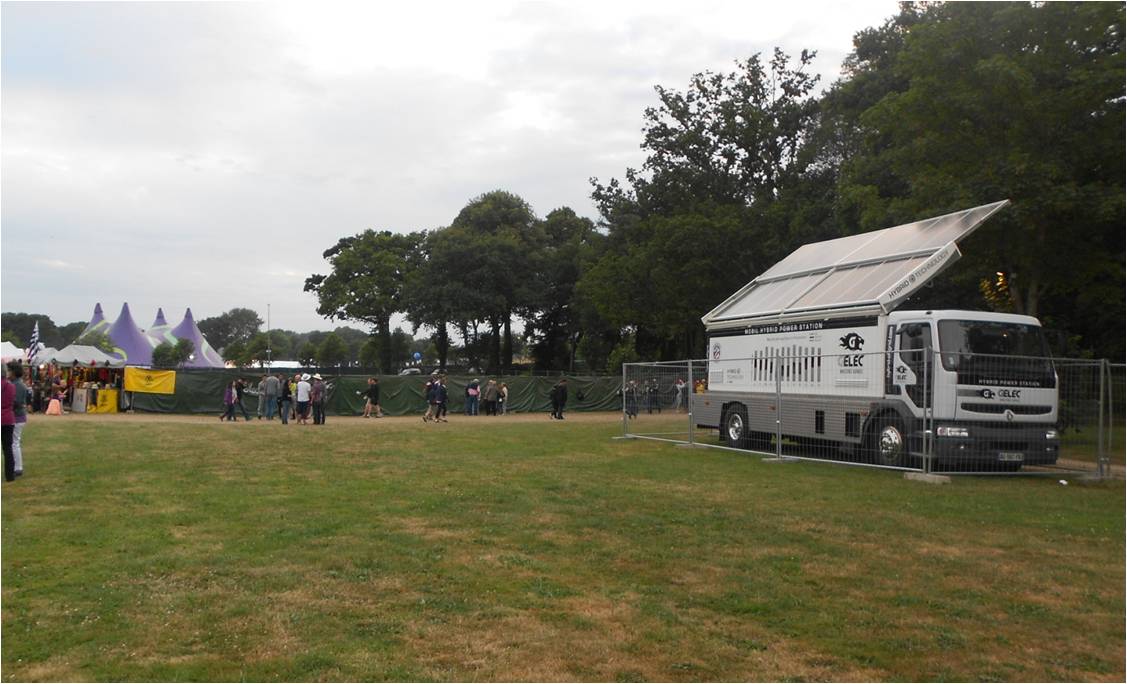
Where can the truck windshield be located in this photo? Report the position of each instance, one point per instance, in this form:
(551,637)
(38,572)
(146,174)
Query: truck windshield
(960,342)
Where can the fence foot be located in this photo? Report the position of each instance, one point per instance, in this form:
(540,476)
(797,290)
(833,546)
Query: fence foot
(928,478)
(624,437)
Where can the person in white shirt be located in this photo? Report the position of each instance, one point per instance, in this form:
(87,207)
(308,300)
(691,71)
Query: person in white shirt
(304,389)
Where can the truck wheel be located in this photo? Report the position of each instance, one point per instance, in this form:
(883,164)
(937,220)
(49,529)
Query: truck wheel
(887,444)
(735,427)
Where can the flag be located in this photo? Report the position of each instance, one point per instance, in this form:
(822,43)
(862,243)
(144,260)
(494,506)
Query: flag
(151,381)
(33,346)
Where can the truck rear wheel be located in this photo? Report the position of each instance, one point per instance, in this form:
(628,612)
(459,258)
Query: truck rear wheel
(887,443)
(735,427)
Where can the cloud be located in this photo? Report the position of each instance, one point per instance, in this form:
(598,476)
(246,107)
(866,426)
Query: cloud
(206,154)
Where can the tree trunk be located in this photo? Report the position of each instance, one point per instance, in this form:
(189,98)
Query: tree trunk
(442,342)
(494,344)
(507,351)
(573,346)
(384,327)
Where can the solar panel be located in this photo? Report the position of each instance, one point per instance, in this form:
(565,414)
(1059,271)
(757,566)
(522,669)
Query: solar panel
(870,272)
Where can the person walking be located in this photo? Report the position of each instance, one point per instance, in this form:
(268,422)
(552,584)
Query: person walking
(630,399)
(293,395)
(473,392)
(8,426)
(240,389)
(503,399)
(317,398)
(261,397)
(270,387)
(372,398)
(304,389)
(489,397)
(428,394)
(559,399)
(285,399)
(229,395)
(433,390)
(440,397)
(679,394)
(19,409)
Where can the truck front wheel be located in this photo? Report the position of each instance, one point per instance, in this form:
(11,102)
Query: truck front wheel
(735,427)
(887,444)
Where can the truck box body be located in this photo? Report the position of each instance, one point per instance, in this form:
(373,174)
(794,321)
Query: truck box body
(971,388)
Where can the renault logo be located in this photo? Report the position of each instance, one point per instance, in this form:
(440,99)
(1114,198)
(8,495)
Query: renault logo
(1009,416)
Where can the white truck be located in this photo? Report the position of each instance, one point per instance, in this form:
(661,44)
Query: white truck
(813,352)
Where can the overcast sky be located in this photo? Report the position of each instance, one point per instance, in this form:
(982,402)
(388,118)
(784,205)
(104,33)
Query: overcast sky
(206,154)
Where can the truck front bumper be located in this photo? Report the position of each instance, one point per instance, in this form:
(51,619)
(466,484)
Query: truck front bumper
(993,445)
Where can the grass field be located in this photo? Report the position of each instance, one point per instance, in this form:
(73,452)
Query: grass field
(518,548)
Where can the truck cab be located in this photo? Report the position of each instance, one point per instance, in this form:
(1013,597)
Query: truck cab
(983,380)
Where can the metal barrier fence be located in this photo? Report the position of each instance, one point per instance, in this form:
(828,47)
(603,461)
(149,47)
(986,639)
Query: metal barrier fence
(913,410)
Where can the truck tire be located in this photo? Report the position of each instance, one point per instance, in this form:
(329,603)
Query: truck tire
(887,443)
(735,427)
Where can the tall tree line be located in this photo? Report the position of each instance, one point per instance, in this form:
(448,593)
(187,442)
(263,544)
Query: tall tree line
(943,107)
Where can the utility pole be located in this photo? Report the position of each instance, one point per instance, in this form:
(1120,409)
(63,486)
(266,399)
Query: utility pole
(268,341)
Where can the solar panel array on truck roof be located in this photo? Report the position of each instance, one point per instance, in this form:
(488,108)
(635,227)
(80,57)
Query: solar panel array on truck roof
(866,273)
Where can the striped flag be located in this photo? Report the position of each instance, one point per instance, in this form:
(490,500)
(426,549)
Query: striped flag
(33,346)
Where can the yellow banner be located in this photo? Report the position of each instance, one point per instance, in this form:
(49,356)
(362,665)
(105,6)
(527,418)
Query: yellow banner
(151,381)
(107,402)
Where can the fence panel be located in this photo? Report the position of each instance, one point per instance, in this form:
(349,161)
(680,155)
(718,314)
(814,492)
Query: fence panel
(914,409)
(655,400)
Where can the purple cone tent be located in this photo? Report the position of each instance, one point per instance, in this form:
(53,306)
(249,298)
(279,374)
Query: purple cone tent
(130,344)
(98,322)
(204,356)
(160,331)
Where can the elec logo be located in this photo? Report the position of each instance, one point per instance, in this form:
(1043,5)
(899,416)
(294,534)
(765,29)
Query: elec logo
(852,342)
(987,394)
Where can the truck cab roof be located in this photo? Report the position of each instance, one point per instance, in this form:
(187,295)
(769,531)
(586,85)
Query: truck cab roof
(896,317)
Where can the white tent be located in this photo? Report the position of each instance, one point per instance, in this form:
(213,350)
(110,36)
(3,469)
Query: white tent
(9,351)
(78,353)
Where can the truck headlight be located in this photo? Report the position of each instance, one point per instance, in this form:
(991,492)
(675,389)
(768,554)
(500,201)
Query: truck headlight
(952,431)
(1051,434)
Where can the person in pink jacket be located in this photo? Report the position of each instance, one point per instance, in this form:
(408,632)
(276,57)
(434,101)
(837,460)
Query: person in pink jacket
(8,423)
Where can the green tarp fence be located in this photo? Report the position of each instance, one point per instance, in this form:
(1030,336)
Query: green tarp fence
(202,392)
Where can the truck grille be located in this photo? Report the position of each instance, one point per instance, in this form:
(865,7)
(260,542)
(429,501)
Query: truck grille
(1001,408)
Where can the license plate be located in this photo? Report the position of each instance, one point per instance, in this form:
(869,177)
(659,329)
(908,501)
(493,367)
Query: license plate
(1011,456)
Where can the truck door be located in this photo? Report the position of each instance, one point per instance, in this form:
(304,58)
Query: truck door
(914,345)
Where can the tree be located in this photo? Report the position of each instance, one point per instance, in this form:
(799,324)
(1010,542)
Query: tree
(370,354)
(353,339)
(183,350)
(8,335)
(22,324)
(97,339)
(366,283)
(1018,101)
(69,333)
(236,353)
(720,156)
(307,355)
(281,343)
(164,355)
(237,325)
(333,351)
(557,326)
(505,242)
(256,350)
(442,288)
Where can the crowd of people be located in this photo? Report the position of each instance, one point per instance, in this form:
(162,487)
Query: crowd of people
(648,393)
(15,401)
(301,398)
